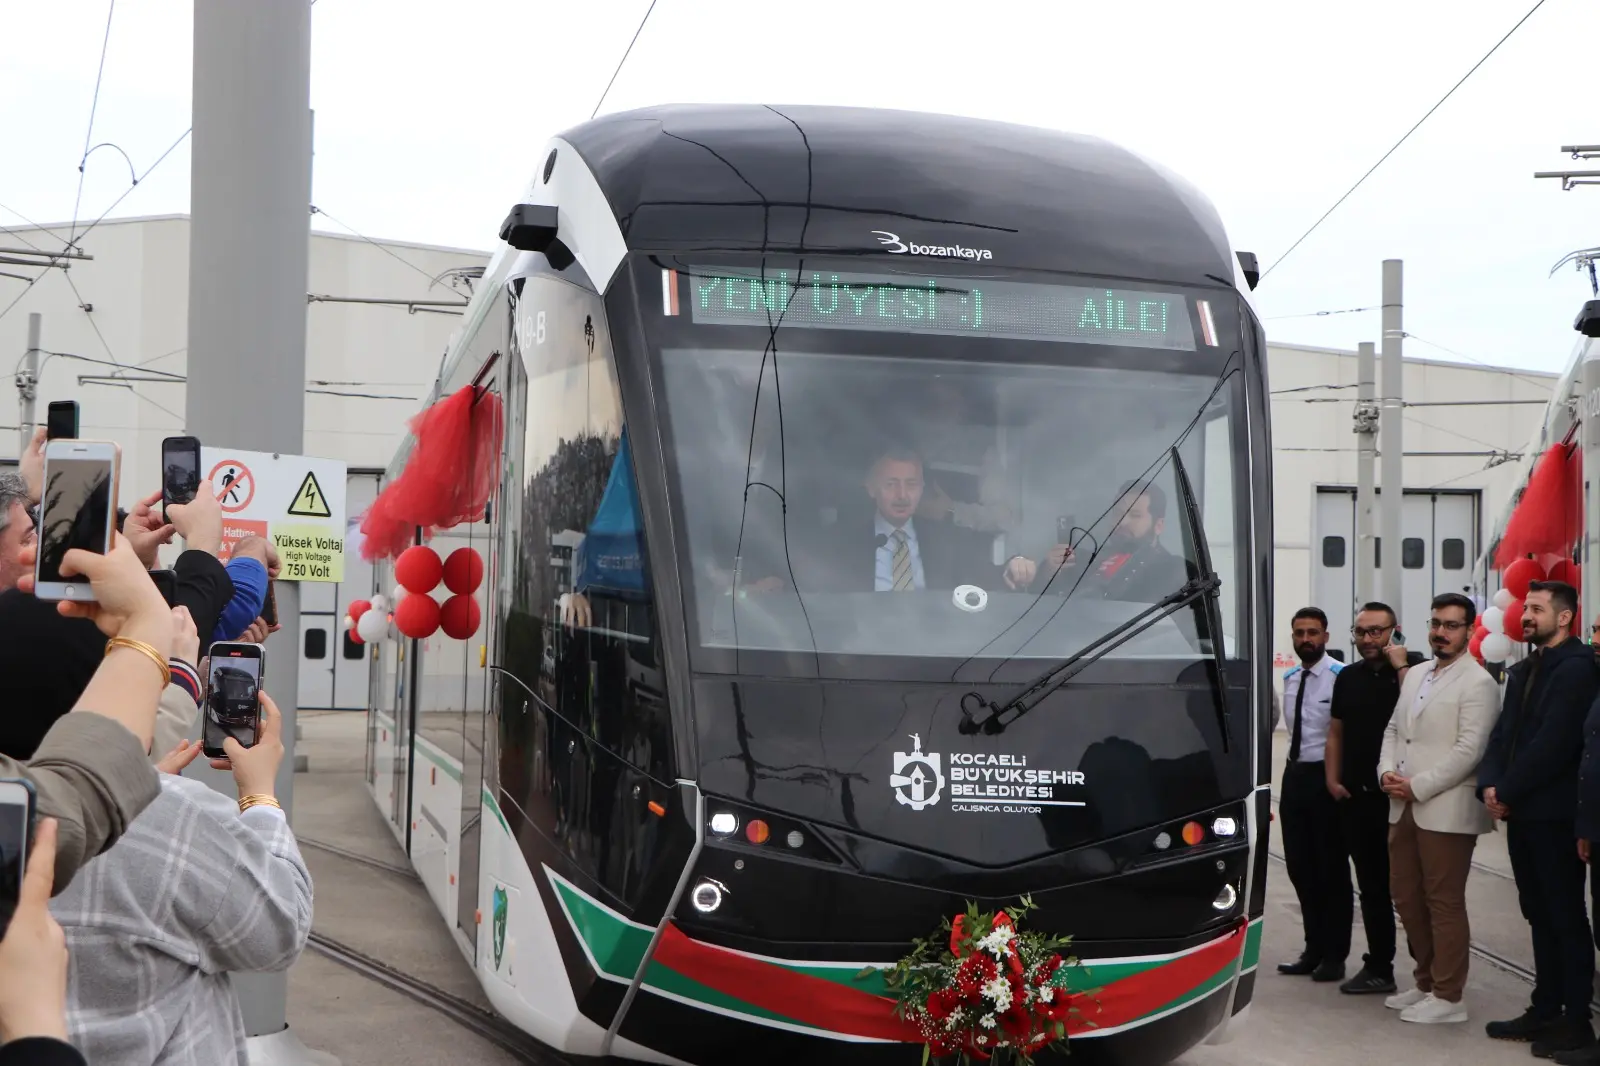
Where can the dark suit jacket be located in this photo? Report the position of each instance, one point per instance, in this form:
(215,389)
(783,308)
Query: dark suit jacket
(950,555)
(1149,574)
(1537,745)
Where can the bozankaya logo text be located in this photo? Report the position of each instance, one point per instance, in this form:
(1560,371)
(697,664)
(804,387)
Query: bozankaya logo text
(893,243)
(979,781)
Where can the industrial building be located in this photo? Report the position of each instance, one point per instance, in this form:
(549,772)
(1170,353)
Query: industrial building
(381,314)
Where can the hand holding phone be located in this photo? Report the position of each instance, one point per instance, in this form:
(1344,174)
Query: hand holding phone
(16,829)
(33,953)
(78,513)
(233,698)
(255,769)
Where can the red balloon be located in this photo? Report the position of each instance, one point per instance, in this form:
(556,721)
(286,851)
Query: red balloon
(1513,623)
(1568,571)
(355,638)
(357,609)
(459,617)
(463,571)
(1475,645)
(418,569)
(1517,576)
(417,616)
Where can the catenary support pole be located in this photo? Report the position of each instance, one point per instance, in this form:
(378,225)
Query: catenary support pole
(1391,441)
(1366,429)
(28,387)
(249,239)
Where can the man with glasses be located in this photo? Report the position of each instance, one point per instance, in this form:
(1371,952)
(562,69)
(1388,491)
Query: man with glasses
(1431,748)
(1529,780)
(1364,697)
(1317,865)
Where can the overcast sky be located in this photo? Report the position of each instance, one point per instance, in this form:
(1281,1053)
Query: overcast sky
(430,117)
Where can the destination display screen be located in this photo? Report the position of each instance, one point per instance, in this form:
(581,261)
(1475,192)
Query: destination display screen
(952,306)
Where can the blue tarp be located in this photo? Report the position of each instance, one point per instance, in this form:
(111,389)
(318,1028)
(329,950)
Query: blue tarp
(611,557)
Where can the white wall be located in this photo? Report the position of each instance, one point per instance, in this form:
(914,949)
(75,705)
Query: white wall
(137,285)
(1314,444)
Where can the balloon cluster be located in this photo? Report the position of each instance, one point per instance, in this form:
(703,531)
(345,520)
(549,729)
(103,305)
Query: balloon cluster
(1499,629)
(419,570)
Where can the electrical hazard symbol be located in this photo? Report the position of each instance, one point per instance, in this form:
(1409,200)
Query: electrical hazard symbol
(309,502)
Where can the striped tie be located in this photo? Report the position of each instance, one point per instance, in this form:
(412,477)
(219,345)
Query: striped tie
(901,568)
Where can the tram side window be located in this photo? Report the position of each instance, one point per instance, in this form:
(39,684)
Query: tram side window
(581,631)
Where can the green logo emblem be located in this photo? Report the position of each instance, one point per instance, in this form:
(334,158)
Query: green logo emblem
(499,924)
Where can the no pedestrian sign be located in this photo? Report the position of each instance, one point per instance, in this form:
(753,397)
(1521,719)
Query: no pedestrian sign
(295,500)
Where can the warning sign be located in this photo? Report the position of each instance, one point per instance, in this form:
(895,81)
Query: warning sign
(308,501)
(233,485)
(296,501)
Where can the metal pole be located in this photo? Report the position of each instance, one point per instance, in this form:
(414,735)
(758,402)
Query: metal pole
(28,387)
(249,239)
(1391,434)
(1366,428)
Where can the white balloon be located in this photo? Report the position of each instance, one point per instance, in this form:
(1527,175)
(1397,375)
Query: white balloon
(379,603)
(1503,598)
(372,626)
(1494,620)
(1496,648)
(399,594)
(348,624)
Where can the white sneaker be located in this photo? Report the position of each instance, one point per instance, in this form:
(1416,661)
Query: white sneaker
(1433,1011)
(1402,1000)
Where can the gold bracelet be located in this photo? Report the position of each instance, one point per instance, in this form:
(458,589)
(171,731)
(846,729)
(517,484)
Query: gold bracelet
(258,800)
(147,650)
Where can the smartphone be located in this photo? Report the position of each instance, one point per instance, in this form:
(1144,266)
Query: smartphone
(61,423)
(233,696)
(1064,527)
(269,606)
(16,832)
(167,582)
(180,469)
(78,509)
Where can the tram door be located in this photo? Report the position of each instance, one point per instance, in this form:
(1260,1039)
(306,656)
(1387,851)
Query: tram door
(475,725)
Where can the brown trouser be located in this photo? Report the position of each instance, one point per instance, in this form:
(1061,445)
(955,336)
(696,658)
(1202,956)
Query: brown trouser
(1428,879)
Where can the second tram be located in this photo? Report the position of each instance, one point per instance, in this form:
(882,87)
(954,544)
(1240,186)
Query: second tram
(884,524)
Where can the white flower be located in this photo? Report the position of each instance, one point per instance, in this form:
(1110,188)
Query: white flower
(987,1021)
(996,943)
(1047,993)
(1000,992)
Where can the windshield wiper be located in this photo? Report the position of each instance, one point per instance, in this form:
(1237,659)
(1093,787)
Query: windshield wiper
(1207,585)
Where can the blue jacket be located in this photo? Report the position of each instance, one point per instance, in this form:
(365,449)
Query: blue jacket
(249,596)
(1537,744)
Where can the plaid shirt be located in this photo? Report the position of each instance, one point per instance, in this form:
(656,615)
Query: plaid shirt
(195,889)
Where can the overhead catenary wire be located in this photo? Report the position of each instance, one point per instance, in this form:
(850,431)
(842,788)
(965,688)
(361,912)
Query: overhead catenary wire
(624,59)
(433,279)
(88,134)
(1405,137)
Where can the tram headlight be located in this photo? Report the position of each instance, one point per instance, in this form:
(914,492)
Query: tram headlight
(707,896)
(1225,899)
(723,823)
(1225,827)
(1163,840)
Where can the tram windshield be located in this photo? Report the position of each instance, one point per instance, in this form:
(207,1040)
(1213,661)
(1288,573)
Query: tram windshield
(853,483)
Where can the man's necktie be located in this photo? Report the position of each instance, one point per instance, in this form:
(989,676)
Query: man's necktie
(900,571)
(1299,705)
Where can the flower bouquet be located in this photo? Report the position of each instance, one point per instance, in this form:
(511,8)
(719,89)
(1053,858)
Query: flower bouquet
(987,989)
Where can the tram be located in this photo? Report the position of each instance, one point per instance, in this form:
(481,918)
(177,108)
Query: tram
(1570,543)
(700,767)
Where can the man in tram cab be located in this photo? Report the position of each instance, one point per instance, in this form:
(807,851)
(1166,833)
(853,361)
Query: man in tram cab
(1133,565)
(891,551)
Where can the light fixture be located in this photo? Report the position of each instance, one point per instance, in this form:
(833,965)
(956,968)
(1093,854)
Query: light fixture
(796,839)
(707,896)
(1224,827)
(1163,841)
(1193,833)
(724,822)
(757,831)
(1225,899)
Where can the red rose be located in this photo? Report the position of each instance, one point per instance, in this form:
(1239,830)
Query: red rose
(957,934)
(936,1006)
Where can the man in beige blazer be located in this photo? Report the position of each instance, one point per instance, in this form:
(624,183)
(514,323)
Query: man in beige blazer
(1431,749)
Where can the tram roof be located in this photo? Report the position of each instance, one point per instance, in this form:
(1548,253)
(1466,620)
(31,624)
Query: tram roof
(744,178)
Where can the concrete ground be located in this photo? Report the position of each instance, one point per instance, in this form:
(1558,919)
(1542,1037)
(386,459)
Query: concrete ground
(389,917)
